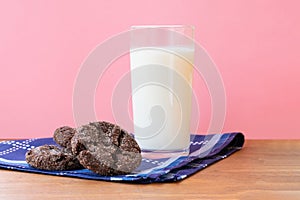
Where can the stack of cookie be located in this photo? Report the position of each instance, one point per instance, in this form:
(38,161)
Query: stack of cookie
(101,147)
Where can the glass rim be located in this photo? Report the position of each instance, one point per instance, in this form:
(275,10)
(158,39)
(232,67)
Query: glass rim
(163,26)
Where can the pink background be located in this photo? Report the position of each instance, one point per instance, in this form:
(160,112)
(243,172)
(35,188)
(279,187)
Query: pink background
(255,45)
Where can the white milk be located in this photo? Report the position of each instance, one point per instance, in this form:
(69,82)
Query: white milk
(168,131)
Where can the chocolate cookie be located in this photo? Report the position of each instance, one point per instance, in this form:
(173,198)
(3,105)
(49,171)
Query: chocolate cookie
(106,149)
(63,135)
(51,157)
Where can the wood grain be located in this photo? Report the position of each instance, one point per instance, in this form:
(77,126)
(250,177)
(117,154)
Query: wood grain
(263,169)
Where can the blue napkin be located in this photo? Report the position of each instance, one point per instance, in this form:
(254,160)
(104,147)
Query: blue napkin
(204,151)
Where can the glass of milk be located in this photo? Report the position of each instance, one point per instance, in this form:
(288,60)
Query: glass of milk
(161,63)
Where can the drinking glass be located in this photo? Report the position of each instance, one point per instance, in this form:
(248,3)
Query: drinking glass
(161,63)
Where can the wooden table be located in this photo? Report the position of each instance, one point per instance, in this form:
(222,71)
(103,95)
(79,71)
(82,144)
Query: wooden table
(263,169)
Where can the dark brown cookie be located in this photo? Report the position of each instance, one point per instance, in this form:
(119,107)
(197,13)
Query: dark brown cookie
(106,149)
(63,135)
(51,157)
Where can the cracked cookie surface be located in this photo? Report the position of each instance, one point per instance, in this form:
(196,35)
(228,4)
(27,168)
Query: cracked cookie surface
(106,149)
(51,157)
(63,135)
